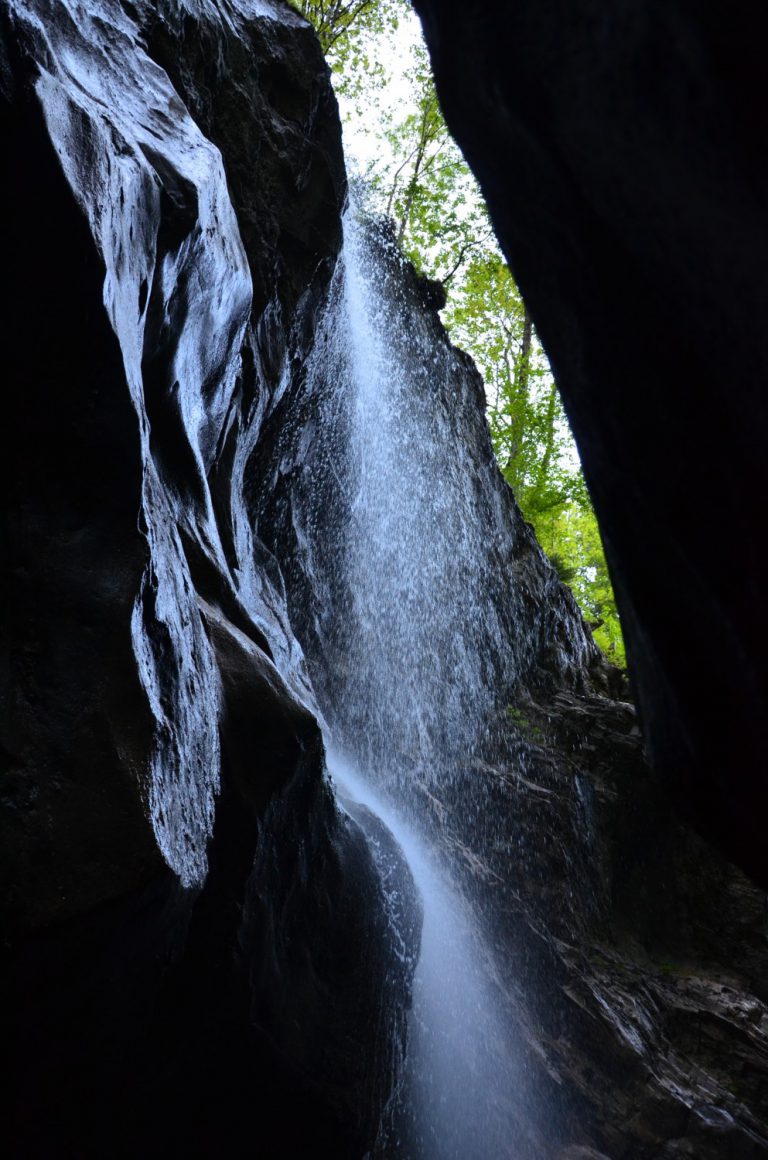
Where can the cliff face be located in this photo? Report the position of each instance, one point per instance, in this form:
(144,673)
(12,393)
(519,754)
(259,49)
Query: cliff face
(179,886)
(618,152)
(635,951)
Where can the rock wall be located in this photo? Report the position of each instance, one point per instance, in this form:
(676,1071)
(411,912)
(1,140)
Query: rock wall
(619,152)
(636,953)
(179,887)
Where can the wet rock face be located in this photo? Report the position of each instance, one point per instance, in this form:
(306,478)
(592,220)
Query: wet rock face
(319,462)
(174,185)
(619,153)
(634,954)
(277,127)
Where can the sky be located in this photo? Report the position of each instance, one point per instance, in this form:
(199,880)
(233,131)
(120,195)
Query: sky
(363,141)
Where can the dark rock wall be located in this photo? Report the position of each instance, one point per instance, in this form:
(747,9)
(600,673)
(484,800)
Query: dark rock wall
(77,733)
(180,891)
(619,149)
(633,955)
(636,952)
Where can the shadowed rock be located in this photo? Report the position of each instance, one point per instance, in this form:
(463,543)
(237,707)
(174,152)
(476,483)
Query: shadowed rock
(180,891)
(619,149)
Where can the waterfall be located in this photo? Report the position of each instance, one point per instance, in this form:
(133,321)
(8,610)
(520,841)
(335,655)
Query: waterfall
(411,683)
(401,595)
(456,1098)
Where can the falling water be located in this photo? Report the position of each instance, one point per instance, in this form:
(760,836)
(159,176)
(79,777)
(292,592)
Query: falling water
(456,1101)
(420,628)
(414,637)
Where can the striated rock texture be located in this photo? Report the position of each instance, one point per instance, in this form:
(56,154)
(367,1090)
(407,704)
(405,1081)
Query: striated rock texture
(194,933)
(620,151)
(636,953)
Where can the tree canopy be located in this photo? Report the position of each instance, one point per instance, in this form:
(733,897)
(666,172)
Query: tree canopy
(413,171)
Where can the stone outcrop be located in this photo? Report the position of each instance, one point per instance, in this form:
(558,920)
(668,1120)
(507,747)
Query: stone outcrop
(636,951)
(194,932)
(619,152)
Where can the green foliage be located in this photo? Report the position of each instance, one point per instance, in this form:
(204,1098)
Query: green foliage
(417,175)
(340,24)
(427,187)
(531,437)
(527,729)
(351,33)
(570,533)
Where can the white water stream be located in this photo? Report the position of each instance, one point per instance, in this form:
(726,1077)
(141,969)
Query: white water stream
(410,661)
(457,1093)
